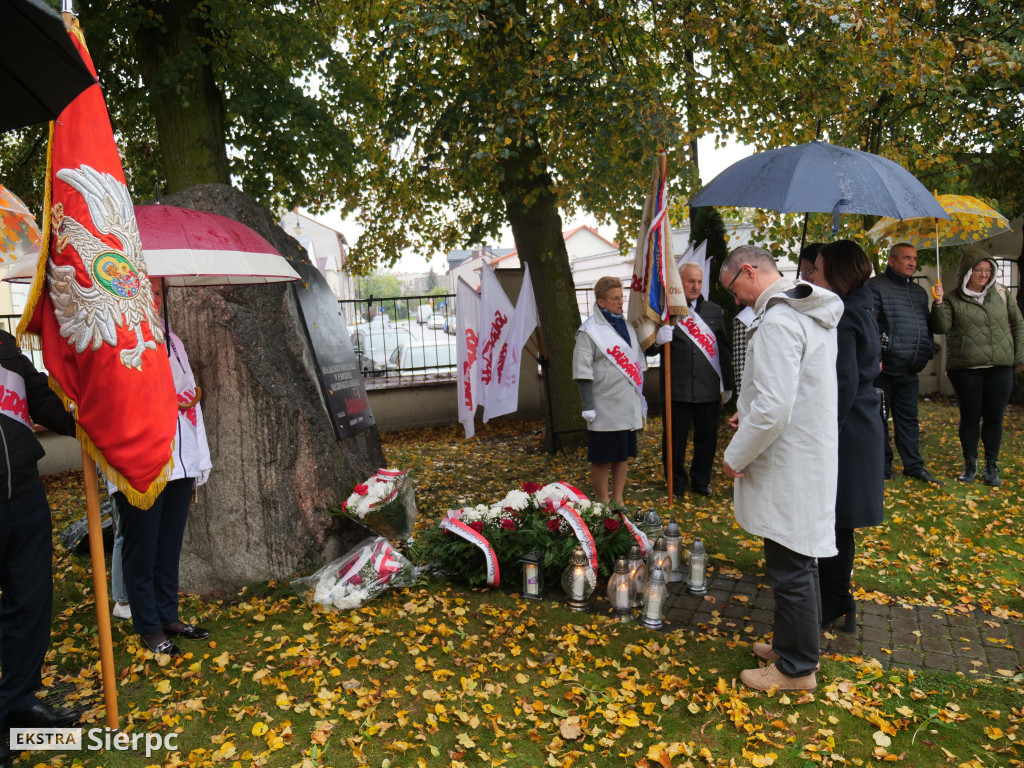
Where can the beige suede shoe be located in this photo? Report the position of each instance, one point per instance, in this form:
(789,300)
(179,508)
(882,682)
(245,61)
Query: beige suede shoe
(771,679)
(764,652)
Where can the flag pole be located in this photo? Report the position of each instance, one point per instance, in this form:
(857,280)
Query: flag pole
(938,266)
(99,589)
(99,563)
(667,364)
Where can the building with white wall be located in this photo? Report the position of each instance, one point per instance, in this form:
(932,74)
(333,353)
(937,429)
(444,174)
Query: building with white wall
(326,248)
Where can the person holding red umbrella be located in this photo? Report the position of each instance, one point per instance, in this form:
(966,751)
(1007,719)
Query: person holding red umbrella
(153,537)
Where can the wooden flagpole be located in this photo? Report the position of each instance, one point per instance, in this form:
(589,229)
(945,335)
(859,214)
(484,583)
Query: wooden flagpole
(667,368)
(99,589)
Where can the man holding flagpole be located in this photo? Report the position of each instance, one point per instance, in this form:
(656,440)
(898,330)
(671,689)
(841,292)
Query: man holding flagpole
(700,382)
(26,556)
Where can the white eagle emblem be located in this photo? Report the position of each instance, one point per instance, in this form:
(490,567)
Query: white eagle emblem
(120,292)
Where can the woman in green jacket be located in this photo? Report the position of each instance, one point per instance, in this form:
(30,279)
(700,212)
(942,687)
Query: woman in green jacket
(984,344)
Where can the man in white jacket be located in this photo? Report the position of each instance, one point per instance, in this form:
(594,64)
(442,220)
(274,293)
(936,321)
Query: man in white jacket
(783,456)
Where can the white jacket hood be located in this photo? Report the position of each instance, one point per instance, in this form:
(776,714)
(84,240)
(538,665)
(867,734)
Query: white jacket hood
(821,305)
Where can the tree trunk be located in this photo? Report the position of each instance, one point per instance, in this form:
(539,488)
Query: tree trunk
(537,230)
(1017,394)
(277,467)
(189,110)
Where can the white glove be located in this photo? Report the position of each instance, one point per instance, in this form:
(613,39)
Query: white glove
(726,396)
(664,335)
(589,416)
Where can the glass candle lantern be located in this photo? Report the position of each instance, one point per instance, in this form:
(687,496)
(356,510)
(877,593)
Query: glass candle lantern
(673,541)
(621,592)
(654,598)
(652,526)
(533,576)
(637,573)
(697,581)
(659,558)
(578,581)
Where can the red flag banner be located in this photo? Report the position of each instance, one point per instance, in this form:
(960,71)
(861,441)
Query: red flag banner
(656,292)
(91,308)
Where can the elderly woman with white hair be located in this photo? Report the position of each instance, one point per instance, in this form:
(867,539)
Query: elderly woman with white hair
(608,366)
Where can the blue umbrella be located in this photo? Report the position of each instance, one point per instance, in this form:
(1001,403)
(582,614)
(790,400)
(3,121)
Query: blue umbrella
(817,178)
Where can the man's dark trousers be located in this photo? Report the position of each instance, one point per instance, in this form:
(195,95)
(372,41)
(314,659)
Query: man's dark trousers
(901,393)
(704,419)
(26,581)
(794,581)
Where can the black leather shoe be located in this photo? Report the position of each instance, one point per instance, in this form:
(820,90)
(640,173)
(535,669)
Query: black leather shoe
(42,715)
(888,473)
(189,632)
(923,474)
(165,646)
(703,490)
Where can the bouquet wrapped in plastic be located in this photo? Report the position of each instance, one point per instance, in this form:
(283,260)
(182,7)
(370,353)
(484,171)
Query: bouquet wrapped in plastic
(385,503)
(363,573)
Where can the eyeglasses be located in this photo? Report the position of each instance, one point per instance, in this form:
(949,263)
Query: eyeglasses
(808,272)
(737,277)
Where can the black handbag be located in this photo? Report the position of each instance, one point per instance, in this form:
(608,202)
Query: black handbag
(75,537)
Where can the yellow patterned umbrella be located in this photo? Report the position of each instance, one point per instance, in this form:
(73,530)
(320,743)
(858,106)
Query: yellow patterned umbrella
(18,230)
(970,220)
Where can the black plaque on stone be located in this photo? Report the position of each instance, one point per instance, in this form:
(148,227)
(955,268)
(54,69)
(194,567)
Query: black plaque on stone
(341,381)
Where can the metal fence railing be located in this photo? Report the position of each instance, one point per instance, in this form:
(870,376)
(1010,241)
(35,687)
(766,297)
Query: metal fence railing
(405,340)
(398,341)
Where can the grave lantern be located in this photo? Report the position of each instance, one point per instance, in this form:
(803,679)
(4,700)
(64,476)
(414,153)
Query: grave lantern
(533,576)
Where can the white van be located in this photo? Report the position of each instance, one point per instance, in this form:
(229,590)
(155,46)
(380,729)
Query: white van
(423,313)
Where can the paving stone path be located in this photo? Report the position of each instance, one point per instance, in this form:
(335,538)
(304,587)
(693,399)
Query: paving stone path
(898,635)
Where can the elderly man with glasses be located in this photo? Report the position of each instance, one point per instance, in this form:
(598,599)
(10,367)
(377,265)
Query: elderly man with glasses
(784,454)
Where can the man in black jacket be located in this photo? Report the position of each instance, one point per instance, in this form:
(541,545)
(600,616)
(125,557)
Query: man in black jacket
(699,345)
(26,569)
(901,307)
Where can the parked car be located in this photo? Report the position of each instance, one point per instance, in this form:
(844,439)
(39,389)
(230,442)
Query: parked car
(424,358)
(436,322)
(449,326)
(423,313)
(373,346)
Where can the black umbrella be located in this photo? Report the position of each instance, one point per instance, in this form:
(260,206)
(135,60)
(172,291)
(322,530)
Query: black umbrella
(40,70)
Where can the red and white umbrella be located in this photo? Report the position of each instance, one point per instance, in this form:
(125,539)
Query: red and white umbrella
(188,248)
(194,248)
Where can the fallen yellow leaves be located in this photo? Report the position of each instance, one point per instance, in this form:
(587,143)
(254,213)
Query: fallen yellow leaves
(434,676)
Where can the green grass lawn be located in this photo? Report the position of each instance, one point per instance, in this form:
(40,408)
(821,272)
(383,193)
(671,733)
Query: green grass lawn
(440,675)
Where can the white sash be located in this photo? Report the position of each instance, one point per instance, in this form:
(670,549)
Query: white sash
(611,346)
(700,334)
(13,402)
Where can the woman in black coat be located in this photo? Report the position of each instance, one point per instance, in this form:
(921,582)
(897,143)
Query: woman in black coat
(843,268)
